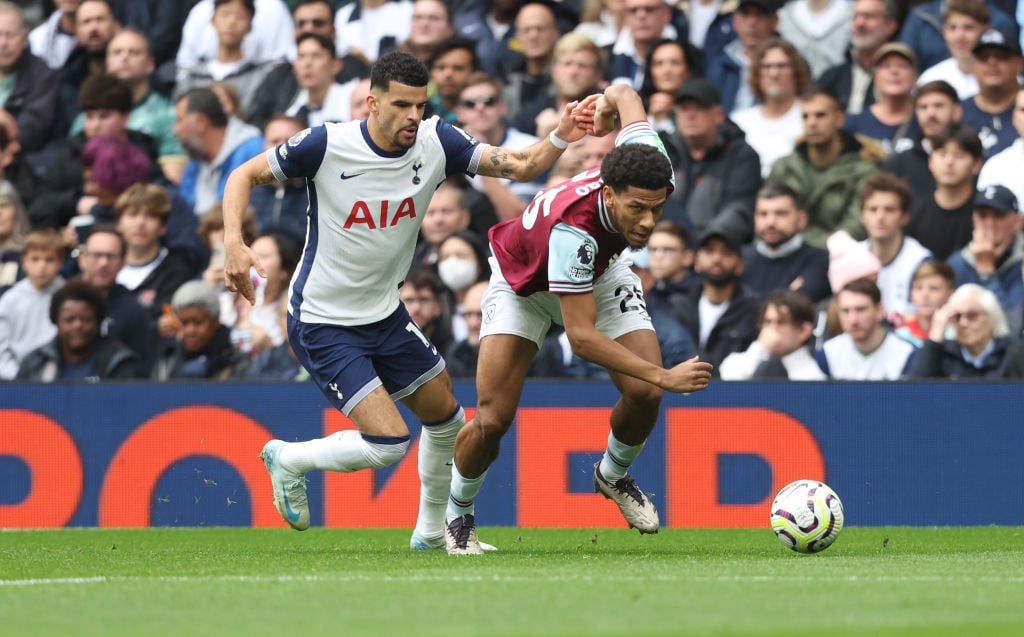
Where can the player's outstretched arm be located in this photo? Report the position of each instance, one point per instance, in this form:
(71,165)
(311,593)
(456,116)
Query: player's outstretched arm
(238,258)
(528,163)
(579,314)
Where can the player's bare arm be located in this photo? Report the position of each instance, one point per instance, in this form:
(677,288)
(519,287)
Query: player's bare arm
(579,313)
(238,258)
(527,163)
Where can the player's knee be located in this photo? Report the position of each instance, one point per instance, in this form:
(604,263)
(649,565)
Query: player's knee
(644,395)
(380,455)
(491,429)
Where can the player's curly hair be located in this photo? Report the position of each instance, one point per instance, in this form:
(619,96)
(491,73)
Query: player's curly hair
(398,66)
(638,165)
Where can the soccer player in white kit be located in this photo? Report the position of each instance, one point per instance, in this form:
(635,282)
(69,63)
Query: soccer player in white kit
(369,186)
(560,261)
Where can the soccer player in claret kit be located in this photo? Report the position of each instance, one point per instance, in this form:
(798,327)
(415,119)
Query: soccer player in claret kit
(561,262)
(369,185)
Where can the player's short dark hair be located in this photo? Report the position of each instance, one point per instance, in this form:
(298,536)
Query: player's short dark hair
(103,91)
(78,290)
(398,66)
(324,42)
(798,305)
(453,44)
(205,101)
(638,165)
(963,136)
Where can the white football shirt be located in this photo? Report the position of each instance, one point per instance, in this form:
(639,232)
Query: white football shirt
(366,206)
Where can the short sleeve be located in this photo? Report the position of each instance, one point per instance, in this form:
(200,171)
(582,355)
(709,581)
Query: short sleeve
(300,156)
(571,257)
(462,152)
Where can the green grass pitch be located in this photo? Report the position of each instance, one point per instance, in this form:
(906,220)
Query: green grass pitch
(239,581)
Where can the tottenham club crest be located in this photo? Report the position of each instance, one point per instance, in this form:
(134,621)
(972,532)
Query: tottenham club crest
(416,169)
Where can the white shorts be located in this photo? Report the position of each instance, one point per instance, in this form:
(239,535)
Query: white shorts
(619,296)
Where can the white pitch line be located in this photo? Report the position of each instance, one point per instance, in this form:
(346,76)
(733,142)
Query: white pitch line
(274,579)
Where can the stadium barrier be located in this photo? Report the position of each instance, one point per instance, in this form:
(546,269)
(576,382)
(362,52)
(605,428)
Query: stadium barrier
(128,455)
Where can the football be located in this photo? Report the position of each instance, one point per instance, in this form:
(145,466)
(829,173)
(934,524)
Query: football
(807,516)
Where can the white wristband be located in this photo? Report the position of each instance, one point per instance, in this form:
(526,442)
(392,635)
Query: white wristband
(557,142)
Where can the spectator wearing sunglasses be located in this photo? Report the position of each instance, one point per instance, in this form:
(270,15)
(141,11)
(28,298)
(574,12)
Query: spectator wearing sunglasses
(980,345)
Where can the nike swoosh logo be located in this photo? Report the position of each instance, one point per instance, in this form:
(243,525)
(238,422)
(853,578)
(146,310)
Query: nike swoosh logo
(344,176)
(292,515)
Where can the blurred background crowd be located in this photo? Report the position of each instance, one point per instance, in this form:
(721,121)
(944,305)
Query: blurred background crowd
(849,176)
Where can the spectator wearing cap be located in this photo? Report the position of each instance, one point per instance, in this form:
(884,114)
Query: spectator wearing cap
(936,106)
(820,29)
(995,254)
(874,23)
(981,347)
(717,172)
(754,22)
(721,314)
(826,168)
(773,125)
(780,259)
(922,30)
(107,104)
(962,24)
(890,120)
(1006,167)
(997,58)
(866,349)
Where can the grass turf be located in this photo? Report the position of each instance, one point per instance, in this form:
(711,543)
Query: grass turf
(241,581)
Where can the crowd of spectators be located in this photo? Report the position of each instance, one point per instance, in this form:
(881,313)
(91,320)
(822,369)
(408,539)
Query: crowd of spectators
(849,176)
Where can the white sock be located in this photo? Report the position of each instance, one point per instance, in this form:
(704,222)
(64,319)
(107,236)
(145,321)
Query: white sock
(344,451)
(437,446)
(464,491)
(617,458)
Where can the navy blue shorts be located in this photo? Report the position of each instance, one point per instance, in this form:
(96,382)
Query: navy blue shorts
(347,363)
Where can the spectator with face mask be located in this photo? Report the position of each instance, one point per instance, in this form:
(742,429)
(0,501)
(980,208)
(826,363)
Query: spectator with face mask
(461,262)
